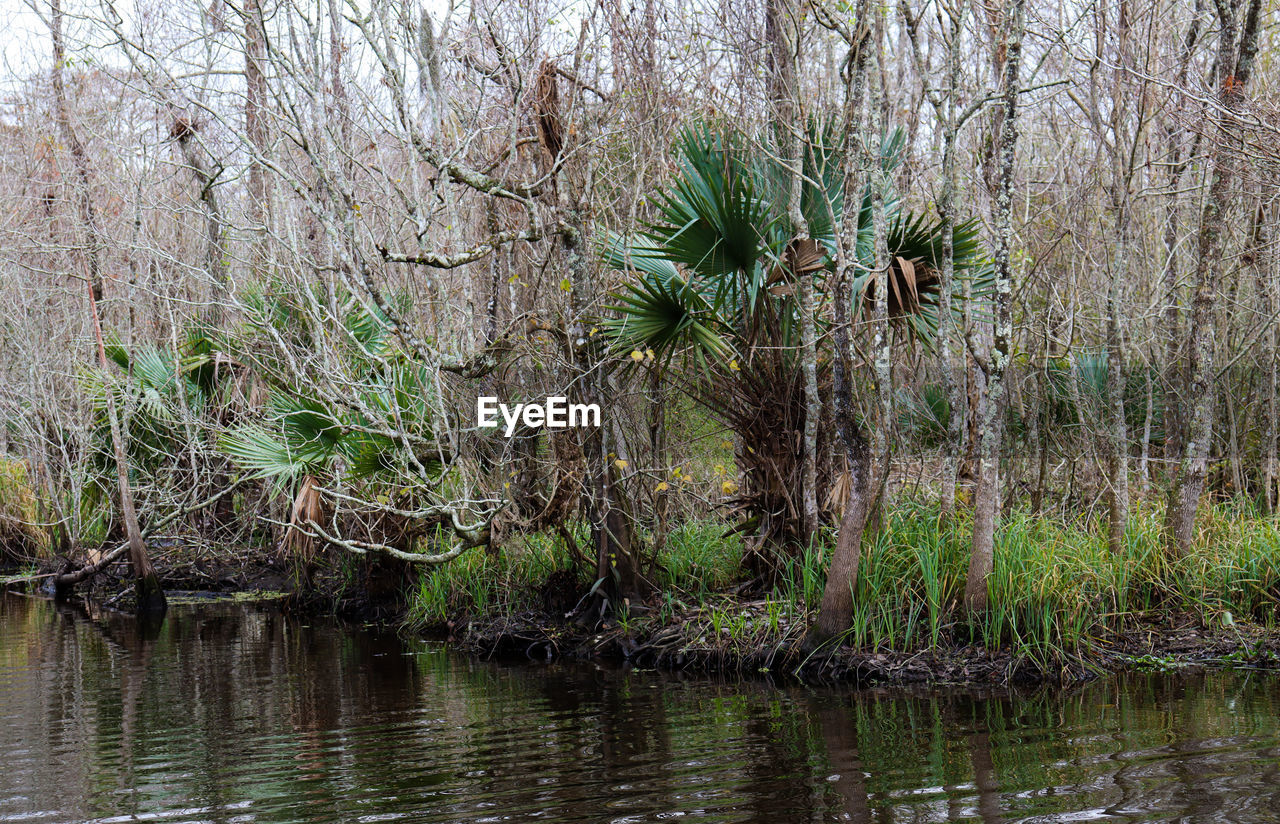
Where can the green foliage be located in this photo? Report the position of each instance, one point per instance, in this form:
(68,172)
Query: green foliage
(924,416)
(298,434)
(1056,588)
(20,541)
(720,255)
(482,584)
(1075,391)
(698,559)
(166,397)
(165,392)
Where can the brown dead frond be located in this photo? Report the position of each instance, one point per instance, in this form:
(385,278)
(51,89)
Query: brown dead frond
(308,509)
(838,495)
(547,109)
(909,279)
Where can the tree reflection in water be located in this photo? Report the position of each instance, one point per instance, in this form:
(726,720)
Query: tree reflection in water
(233,712)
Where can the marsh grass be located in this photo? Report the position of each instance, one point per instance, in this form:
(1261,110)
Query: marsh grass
(1055,590)
(697,562)
(482,583)
(19,541)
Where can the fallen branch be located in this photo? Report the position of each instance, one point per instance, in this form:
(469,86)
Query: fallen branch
(62,580)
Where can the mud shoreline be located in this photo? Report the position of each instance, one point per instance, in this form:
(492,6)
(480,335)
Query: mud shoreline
(693,641)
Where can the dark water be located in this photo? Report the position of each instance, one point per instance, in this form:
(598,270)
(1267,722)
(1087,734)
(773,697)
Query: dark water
(234,714)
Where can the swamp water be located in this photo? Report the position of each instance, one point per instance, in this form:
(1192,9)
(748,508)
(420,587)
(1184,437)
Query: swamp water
(234,713)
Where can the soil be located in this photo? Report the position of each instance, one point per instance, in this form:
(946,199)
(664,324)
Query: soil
(1151,644)
(365,591)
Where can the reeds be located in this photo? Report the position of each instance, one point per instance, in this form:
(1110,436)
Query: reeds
(1055,591)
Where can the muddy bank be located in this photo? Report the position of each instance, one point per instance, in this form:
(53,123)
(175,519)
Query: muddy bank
(728,637)
(367,592)
(689,643)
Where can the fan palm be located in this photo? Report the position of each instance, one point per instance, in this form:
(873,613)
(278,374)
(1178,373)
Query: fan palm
(715,279)
(172,394)
(379,440)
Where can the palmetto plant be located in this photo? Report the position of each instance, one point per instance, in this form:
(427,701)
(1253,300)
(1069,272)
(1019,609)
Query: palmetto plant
(173,397)
(378,442)
(715,286)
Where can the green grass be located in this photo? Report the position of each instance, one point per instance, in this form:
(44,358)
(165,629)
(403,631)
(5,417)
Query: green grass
(480,583)
(699,560)
(1055,588)
(17,512)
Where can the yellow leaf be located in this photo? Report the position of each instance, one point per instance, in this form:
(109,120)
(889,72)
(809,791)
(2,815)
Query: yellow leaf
(719,469)
(662,487)
(621,464)
(733,365)
(637,355)
(565,285)
(728,487)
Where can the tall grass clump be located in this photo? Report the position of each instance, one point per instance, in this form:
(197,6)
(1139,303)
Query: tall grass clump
(1056,590)
(1234,567)
(1056,586)
(481,583)
(19,540)
(805,575)
(699,558)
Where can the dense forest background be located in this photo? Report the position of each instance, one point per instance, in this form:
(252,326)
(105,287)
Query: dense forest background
(259,258)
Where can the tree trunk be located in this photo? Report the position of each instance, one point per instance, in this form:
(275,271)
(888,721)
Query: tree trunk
(986,494)
(946,109)
(618,563)
(255,127)
(1173,372)
(1123,148)
(1270,286)
(215,256)
(151,602)
(94,245)
(784,27)
(881,333)
(1236,50)
(1119,469)
(835,615)
(150,597)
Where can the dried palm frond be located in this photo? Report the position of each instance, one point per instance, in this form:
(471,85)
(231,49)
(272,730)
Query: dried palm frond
(547,109)
(838,495)
(308,509)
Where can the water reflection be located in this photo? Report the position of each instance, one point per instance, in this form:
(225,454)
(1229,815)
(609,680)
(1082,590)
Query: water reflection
(234,714)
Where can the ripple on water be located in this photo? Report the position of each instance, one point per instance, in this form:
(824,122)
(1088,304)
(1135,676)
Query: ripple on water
(234,714)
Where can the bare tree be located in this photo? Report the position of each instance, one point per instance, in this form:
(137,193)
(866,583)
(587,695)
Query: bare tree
(1237,49)
(987,493)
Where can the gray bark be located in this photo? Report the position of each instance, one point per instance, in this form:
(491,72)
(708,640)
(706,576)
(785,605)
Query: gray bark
(987,491)
(947,110)
(255,127)
(835,614)
(784,27)
(94,245)
(1237,47)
